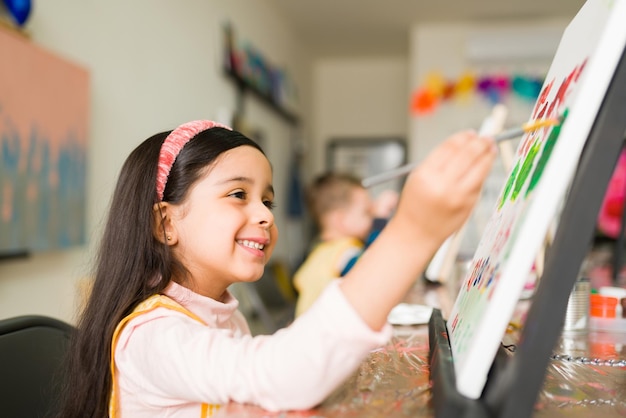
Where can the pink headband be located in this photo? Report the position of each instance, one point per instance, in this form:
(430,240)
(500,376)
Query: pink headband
(172,145)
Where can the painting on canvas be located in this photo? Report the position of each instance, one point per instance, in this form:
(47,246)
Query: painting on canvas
(545,162)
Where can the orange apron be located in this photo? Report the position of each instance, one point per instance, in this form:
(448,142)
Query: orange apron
(153,302)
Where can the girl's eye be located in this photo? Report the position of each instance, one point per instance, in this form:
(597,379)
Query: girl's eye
(269,204)
(240,194)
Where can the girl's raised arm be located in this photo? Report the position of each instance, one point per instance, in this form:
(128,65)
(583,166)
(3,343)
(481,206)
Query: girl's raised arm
(437,198)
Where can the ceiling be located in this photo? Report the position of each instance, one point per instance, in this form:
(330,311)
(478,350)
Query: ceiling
(381,27)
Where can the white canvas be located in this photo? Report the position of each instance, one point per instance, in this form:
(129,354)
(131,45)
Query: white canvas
(544,166)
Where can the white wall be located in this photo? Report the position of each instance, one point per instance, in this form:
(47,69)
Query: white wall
(358,98)
(154,64)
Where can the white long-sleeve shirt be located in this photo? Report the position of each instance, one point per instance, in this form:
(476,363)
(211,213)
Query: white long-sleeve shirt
(168,364)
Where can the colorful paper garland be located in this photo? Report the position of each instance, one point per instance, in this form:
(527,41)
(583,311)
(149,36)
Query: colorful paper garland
(436,89)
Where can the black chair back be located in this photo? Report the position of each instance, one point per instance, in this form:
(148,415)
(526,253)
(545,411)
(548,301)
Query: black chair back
(32,349)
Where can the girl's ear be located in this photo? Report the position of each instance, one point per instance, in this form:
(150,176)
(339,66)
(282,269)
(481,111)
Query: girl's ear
(163,228)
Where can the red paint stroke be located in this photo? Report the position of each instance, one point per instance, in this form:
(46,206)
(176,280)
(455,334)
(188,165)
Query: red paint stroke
(541,101)
(454,323)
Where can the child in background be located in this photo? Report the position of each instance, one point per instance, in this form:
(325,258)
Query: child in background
(348,221)
(192,214)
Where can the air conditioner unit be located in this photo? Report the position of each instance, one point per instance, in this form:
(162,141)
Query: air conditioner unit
(513,44)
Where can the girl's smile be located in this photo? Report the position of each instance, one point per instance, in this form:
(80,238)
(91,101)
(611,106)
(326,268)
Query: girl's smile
(255,246)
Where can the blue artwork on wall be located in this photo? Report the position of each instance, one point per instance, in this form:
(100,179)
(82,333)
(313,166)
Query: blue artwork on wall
(44,108)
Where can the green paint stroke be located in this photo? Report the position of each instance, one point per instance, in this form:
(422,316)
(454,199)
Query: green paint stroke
(525,170)
(545,155)
(509,185)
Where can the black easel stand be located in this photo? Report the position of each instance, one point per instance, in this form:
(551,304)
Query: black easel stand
(514,381)
(447,401)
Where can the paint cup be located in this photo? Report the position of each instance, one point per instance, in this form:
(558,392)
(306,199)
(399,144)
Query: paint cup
(615,292)
(577,314)
(602,306)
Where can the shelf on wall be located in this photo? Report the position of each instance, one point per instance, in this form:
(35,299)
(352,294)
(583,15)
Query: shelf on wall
(244,86)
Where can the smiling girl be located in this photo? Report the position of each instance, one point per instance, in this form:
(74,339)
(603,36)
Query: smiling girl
(192,214)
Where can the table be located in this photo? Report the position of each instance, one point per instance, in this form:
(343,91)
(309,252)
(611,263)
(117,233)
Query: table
(586,375)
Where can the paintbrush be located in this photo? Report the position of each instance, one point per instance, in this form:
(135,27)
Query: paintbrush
(525,128)
(502,136)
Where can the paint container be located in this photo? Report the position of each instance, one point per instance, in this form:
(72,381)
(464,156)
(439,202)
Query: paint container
(577,314)
(618,293)
(602,306)
(623,303)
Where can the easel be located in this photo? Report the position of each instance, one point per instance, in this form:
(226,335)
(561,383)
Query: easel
(515,381)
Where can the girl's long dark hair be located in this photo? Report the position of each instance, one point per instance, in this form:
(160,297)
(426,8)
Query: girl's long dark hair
(131,264)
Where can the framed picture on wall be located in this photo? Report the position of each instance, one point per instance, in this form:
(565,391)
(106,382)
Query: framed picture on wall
(364,157)
(44,126)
